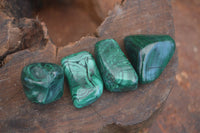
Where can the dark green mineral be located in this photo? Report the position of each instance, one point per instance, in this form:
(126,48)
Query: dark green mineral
(117,72)
(43,82)
(149,54)
(84,79)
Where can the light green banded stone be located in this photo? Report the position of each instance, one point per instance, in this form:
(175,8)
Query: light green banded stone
(43,82)
(149,54)
(117,72)
(85,82)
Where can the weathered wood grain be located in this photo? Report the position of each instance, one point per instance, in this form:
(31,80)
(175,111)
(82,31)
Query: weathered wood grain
(129,111)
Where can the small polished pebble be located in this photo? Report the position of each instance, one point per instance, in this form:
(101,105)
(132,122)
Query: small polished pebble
(84,79)
(117,72)
(43,82)
(149,54)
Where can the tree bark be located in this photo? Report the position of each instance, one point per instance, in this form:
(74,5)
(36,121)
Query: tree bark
(26,40)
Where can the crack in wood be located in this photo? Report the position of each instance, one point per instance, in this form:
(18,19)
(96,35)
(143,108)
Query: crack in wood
(27,32)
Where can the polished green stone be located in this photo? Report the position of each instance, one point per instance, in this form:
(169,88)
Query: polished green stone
(117,72)
(84,79)
(149,54)
(43,82)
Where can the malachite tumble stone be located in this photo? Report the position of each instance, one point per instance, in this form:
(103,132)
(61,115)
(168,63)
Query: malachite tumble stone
(149,54)
(117,72)
(43,82)
(84,79)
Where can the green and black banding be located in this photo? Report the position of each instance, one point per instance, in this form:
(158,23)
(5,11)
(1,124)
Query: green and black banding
(43,82)
(149,54)
(84,79)
(117,72)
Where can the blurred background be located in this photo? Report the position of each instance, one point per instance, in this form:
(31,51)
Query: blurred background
(181,113)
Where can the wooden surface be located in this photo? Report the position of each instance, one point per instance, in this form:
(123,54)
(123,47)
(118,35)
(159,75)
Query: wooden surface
(68,23)
(127,112)
(181,113)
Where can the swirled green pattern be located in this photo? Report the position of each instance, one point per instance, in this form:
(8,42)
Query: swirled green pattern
(43,82)
(85,82)
(117,72)
(149,54)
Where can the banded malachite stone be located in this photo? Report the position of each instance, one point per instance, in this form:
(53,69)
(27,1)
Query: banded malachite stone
(43,82)
(117,72)
(85,82)
(149,54)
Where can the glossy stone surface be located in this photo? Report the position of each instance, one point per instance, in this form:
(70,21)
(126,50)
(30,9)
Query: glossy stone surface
(117,72)
(43,82)
(84,79)
(149,54)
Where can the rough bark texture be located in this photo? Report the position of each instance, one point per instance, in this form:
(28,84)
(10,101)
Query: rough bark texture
(22,42)
(16,8)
